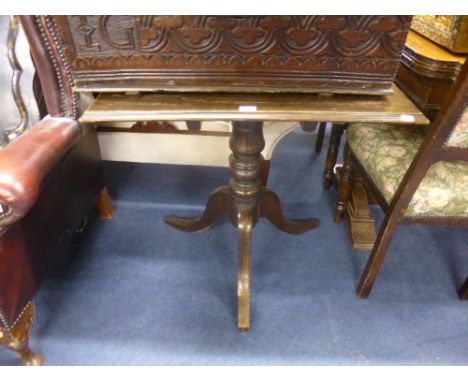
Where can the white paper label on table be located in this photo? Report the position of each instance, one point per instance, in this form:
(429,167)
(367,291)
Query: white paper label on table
(406,118)
(247,108)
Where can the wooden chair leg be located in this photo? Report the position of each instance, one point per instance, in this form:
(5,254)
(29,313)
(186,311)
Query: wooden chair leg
(309,126)
(344,185)
(17,339)
(463,291)
(360,223)
(320,136)
(193,125)
(376,257)
(332,155)
(104,205)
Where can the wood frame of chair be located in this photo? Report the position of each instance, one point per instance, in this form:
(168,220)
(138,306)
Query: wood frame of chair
(432,150)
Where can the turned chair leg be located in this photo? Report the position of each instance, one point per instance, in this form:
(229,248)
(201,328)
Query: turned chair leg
(312,126)
(345,185)
(463,291)
(17,339)
(320,135)
(104,205)
(332,154)
(376,257)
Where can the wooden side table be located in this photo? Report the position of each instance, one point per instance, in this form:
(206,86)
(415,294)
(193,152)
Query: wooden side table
(244,200)
(427,71)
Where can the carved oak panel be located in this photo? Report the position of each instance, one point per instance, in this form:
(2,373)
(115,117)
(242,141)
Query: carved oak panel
(357,54)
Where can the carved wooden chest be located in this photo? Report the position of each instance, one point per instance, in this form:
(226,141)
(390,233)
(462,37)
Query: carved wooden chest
(336,54)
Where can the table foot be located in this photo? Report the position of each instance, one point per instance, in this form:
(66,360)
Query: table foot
(270,208)
(217,206)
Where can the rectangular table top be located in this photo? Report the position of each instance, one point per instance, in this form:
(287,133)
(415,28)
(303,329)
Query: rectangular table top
(115,107)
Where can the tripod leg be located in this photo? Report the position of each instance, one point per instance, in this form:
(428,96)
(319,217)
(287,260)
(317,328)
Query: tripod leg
(244,226)
(218,204)
(270,208)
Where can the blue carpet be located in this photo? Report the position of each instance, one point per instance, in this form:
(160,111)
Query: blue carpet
(138,292)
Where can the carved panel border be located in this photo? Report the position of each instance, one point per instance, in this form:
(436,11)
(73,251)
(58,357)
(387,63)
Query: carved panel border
(305,53)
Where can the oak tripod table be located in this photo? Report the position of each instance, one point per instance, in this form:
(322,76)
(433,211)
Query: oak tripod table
(245,200)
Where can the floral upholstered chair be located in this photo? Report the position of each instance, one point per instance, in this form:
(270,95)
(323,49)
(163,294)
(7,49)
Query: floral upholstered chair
(418,175)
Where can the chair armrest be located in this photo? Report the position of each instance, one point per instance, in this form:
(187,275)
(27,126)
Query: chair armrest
(26,162)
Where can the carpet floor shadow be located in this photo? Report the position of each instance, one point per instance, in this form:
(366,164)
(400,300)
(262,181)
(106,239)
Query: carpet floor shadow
(135,291)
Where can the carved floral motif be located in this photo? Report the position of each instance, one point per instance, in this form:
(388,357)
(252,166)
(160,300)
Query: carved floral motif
(362,35)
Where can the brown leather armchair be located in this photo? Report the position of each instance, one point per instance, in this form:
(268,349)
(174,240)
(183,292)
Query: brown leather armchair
(50,177)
